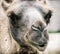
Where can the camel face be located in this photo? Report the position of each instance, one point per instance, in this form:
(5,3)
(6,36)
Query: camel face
(28,24)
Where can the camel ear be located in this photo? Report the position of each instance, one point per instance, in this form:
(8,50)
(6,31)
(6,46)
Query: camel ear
(6,4)
(43,1)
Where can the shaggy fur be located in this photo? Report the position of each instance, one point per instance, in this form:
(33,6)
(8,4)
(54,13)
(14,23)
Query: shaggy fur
(27,21)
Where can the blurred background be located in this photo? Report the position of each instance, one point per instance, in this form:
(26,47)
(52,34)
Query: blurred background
(54,29)
(54,25)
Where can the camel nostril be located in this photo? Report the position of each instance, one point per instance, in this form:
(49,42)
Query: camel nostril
(35,28)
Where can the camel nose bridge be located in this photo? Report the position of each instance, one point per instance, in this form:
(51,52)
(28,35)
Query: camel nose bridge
(39,26)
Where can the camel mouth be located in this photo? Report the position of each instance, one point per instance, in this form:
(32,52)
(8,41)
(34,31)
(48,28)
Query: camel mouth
(40,47)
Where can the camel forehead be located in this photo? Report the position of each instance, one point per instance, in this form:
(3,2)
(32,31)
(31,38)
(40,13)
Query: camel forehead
(24,5)
(30,13)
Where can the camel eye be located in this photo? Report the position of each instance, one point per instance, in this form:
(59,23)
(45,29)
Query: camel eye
(48,16)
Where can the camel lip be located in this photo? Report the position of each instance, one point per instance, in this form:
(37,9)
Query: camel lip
(35,45)
(40,47)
